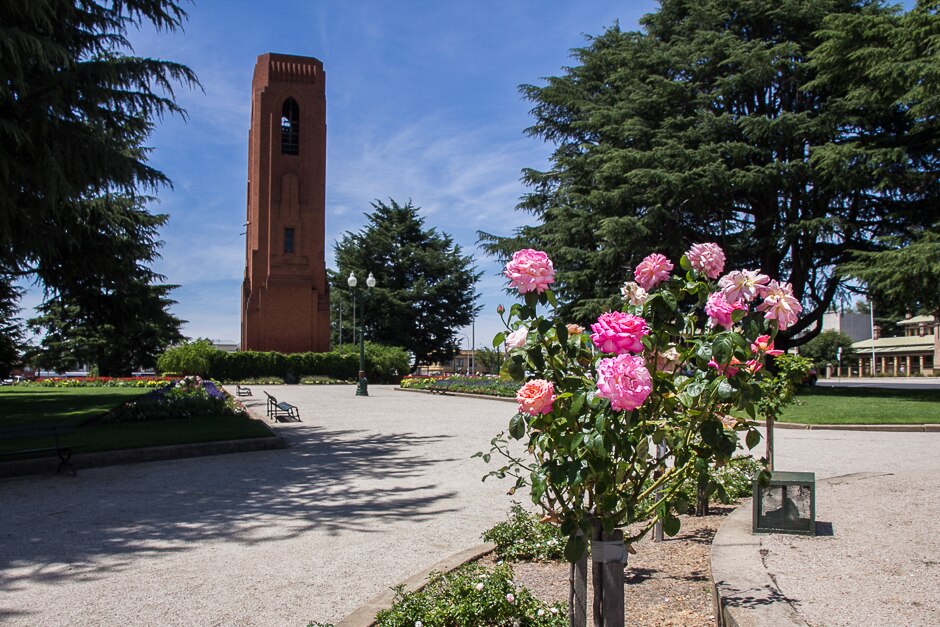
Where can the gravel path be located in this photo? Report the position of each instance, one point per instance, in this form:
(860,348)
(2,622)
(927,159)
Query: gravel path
(370,491)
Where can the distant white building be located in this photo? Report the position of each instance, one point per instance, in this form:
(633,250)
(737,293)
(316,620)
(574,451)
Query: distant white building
(856,325)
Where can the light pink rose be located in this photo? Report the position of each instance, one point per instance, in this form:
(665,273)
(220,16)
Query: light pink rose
(652,271)
(720,310)
(517,338)
(780,304)
(668,360)
(764,345)
(536,397)
(634,294)
(709,259)
(511,597)
(618,332)
(740,285)
(530,271)
(624,381)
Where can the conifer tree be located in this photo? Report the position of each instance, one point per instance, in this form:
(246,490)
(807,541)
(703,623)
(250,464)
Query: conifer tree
(425,285)
(717,123)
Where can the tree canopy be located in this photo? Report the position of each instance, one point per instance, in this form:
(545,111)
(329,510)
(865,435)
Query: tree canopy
(726,121)
(425,285)
(76,108)
(113,333)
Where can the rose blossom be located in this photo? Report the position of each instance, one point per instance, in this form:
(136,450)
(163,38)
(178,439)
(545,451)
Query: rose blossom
(634,294)
(517,338)
(530,271)
(618,332)
(652,271)
(574,329)
(708,259)
(479,586)
(624,380)
(742,285)
(763,344)
(720,310)
(536,397)
(668,360)
(728,370)
(511,597)
(780,304)
(753,366)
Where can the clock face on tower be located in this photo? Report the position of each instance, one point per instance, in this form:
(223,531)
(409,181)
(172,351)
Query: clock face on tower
(285,297)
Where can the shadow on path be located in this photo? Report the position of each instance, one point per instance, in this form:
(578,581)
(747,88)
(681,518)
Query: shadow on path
(55,529)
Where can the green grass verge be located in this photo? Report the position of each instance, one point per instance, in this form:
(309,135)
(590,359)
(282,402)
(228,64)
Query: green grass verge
(864,406)
(75,406)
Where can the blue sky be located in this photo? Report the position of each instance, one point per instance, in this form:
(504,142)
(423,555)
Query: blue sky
(422,103)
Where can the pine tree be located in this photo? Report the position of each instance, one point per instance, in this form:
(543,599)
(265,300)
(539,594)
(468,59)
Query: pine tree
(712,125)
(425,285)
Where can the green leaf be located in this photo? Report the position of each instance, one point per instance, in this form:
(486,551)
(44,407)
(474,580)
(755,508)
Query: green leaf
(671,525)
(551,298)
(517,426)
(575,548)
(684,263)
(498,339)
(752,439)
(695,388)
(538,486)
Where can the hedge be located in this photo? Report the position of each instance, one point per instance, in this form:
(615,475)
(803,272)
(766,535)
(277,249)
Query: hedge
(384,364)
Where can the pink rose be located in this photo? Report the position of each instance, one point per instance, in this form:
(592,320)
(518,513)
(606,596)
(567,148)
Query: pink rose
(517,338)
(720,310)
(753,366)
(764,345)
(530,271)
(728,370)
(618,332)
(708,259)
(742,285)
(780,304)
(624,381)
(536,397)
(652,271)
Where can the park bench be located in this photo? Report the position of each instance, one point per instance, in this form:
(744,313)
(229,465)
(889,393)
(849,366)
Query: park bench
(436,388)
(241,390)
(41,439)
(282,411)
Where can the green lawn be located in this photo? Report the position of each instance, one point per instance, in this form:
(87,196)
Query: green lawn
(825,405)
(75,406)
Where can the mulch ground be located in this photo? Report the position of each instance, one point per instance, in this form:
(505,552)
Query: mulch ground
(666,583)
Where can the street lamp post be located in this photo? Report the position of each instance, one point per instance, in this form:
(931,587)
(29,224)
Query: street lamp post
(362,388)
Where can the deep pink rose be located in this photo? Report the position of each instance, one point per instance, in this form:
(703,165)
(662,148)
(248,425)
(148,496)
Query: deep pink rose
(536,397)
(624,381)
(530,271)
(708,259)
(780,304)
(720,310)
(618,332)
(743,285)
(652,271)
(728,370)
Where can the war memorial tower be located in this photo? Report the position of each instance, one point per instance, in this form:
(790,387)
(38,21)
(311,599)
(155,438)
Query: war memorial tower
(285,296)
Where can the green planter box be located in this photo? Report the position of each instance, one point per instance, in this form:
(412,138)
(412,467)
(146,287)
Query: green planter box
(786,505)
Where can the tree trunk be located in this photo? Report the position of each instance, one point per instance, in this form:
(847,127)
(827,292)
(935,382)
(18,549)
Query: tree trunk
(701,495)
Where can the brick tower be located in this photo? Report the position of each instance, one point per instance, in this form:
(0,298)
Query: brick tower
(285,297)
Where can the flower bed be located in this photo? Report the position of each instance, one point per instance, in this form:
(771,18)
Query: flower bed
(99,382)
(486,385)
(184,398)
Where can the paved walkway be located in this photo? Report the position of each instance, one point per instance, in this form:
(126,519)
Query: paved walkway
(880,494)
(370,491)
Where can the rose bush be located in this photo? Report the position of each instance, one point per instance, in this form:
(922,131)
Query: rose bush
(682,354)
